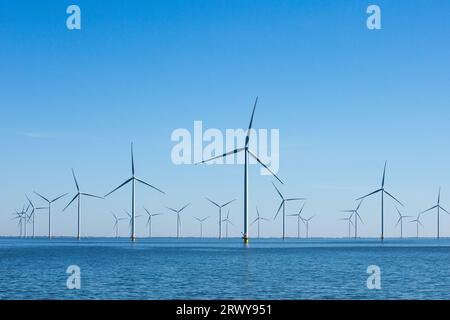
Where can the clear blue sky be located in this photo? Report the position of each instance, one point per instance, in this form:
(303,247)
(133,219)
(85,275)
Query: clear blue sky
(344,98)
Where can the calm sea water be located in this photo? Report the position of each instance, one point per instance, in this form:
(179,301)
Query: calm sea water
(212,269)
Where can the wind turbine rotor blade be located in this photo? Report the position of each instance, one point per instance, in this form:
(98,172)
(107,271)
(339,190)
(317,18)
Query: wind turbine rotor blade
(301,209)
(119,187)
(184,207)
(359,205)
(149,185)
(278,211)
(224,205)
(429,209)
(253,114)
(29,201)
(214,203)
(56,199)
(222,156)
(368,195)
(384,174)
(127,213)
(444,210)
(359,217)
(173,210)
(278,191)
(132,160)
(91,195)
(398,221)
(75,179)
(41,196)
(76,196)
(390,195)
(254,221)
(266,167)
(295,199)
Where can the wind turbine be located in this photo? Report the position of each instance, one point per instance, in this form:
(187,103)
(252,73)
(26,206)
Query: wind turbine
(247,152)
(400,220)
(149,221)
(21,215)
(283,205)
(383,191)
(417,221)
(116,224)
(201,225)
(130,224)
(178,217)
(258,219)
(350,223)
(78,197)
(50,211)
(220,213)
(299,218)
(439,208)
(227,222)
(355,212)
(306,221)
(33,211)
(133,180)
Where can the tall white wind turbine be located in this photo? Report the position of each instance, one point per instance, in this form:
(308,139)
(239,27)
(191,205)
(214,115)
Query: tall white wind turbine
(50,202)
(177,212)
(78,196)
(299,219)
(149,221)
(220,213)
(258,220)
(133,181)
(248,153)
(283,205)
(383,191)
(438,208)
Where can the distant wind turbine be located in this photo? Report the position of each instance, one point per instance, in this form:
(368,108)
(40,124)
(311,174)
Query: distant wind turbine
(132,219)
(350,223)
(417,221)
(299,219)
(227,222)
(400,220)
(50,211)
(220,213)
(355,212)
(116,223)
(149,221)
(177,212)
(246,155)
(258,220)
(133,180)
(439,208)
(283,205)
(201,225)
(383,192)
(78,197)
(306,221)
(33,212)
(21,216)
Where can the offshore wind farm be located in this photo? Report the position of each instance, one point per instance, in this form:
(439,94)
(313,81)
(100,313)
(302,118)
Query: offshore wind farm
(225,150)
